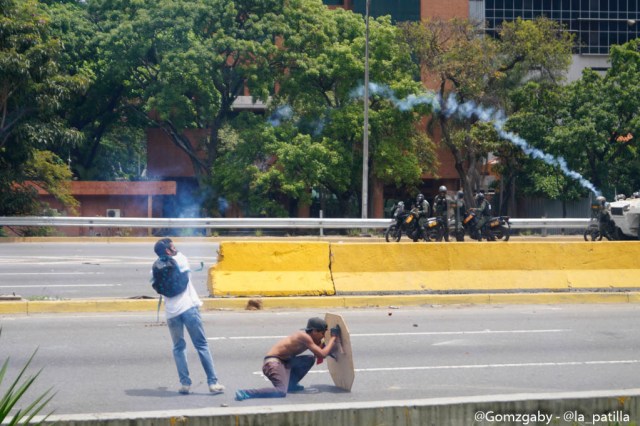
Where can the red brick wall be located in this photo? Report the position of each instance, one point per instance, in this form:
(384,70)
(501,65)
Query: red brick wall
(165,159)
(445,9)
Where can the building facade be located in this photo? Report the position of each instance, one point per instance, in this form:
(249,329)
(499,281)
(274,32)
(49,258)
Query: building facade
(597,24)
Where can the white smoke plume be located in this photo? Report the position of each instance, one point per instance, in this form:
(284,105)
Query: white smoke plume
(470,109)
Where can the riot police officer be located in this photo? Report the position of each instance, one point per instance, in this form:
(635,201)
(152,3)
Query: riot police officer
(441,209)
(483,207)
(423,208)
(422,205)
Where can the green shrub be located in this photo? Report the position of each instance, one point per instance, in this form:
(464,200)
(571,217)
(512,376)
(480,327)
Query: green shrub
(15,395)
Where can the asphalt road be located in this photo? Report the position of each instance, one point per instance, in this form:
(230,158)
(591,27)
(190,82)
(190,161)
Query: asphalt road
(123,362)
(79,270)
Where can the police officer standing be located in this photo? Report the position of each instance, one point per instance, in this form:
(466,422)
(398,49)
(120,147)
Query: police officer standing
(484,210)
(460,211)
(441,209)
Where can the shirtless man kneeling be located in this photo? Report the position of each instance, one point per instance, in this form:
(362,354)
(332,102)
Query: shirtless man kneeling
(285,367)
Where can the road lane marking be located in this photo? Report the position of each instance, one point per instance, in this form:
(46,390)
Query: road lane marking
(484,366)
(51,273)
(511,365)
(460,333)
(425,333)
(59,285)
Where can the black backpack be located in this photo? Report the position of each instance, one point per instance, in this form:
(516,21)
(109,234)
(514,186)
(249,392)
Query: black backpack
(167,279)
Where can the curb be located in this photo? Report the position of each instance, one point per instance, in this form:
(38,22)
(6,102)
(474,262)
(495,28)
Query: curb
(27,307)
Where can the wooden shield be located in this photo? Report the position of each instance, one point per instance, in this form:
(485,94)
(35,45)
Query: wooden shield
(340,364)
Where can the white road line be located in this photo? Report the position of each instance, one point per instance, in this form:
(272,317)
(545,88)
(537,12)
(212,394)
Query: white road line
(51,273)
(59,285)
(460,333)
(484,366)
(516,365)
(425,333)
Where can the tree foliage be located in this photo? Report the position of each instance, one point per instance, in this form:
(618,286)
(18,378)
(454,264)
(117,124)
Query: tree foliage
(323,58)
(591,122)
(32,89)
(465,67)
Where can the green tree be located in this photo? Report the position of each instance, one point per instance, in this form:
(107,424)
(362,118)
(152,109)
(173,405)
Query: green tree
(32,89)
(113,144)
(262,167)
(591,122)
(323,58)
(466,67)
(185,62)
(599,123)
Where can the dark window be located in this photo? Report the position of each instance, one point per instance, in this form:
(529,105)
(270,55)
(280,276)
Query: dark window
(400,10)
(333,2)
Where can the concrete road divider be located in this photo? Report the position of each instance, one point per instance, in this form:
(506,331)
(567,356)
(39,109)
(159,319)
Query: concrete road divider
(287,269)
(485,267)
(256,268)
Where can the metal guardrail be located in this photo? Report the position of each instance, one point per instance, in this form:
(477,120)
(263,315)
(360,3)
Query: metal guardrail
(253,223)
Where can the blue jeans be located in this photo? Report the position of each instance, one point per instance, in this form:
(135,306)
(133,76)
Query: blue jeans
(192,321)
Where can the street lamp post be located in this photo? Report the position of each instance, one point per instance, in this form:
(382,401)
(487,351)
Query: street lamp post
(365,140)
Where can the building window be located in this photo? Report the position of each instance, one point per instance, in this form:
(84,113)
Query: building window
(596,23)
(400,10)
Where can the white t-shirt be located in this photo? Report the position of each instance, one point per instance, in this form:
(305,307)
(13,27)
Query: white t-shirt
(186,300)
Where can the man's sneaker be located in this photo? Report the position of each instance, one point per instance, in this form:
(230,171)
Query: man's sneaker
(241,395)
(216,388)
(296,388)
(184,389)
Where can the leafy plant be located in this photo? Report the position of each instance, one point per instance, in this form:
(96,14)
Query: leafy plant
(15,394)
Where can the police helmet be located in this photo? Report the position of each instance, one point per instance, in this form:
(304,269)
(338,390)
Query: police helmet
(442,189)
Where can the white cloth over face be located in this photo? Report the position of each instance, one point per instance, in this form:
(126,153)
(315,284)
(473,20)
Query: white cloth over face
(186,300)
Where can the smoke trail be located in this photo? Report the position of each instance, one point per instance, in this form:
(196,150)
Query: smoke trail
(470,109)
(282,113)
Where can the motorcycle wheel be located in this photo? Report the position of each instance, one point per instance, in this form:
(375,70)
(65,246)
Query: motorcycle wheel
(592,233)
(502,233)
(459,236)
(435,235)
(392,233)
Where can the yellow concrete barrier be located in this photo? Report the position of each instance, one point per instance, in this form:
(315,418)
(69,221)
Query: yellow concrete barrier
(255,268)
(484,267)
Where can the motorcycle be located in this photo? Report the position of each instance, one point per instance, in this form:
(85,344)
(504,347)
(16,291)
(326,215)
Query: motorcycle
(397,227)
(412,227)
(497,228)
(405,223)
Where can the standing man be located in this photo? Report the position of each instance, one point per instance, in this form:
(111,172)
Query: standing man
(441,209)
(285,367)
(183,311)
(484,210)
